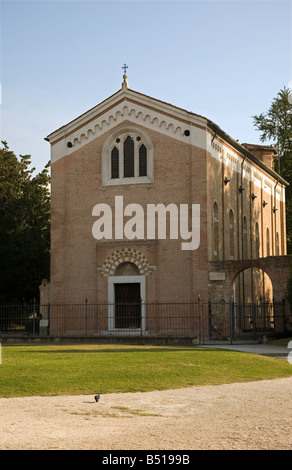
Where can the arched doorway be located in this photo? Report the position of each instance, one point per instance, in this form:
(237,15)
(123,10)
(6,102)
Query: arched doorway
(126,296)
(252,285)
(253,306)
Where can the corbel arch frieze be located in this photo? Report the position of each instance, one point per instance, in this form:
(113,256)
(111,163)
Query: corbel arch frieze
(129,112)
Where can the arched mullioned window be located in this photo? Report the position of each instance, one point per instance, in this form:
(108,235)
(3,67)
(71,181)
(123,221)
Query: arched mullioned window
(257,241)
(127,157)
(215,231)
(231,234)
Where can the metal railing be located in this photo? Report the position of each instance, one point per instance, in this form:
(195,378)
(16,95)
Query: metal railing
(20,319)
(223,320)
(126,318)
(249,320)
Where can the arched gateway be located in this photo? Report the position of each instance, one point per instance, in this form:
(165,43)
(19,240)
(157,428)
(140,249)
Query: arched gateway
(276,267)
(266,290)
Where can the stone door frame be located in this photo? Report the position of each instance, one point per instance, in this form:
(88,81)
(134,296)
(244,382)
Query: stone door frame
(112,280)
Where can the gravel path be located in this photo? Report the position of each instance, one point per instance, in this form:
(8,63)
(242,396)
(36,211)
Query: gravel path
(254,415)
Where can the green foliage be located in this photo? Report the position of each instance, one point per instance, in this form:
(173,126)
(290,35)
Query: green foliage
(24,227)
(89,369)
(276,126)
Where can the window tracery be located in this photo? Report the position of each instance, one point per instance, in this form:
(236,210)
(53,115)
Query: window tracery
(127,158)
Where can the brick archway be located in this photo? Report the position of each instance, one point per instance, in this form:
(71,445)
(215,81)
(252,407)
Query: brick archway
(276,267)
(123,255)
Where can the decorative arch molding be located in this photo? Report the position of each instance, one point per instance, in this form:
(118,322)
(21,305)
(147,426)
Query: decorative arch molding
(130,112)
(123,255)
(125,110)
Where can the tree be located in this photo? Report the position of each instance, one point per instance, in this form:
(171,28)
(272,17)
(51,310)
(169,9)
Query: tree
(24,227)
(276,126)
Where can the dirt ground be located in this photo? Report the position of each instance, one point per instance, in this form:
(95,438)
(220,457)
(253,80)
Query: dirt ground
(254,415)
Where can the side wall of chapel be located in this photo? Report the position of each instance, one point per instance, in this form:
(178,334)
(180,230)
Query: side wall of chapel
(247,223)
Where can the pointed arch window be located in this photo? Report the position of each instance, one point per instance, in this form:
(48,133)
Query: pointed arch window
(129,158)
(244,241)
(142,160)
(268,241)
(231,234)
(115,163)
(257,240)
(215,231)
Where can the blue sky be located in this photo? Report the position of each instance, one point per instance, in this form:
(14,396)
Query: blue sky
(225,60)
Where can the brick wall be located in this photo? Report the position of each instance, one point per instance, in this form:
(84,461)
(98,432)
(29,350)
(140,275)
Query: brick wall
(183,174)
(76,255)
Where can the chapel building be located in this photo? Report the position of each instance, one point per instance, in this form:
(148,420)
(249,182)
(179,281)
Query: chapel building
(133,160)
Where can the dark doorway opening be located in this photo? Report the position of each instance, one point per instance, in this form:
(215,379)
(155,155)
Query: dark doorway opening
(127,305)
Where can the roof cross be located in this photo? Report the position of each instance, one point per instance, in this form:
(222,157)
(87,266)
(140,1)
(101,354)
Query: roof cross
(125,67)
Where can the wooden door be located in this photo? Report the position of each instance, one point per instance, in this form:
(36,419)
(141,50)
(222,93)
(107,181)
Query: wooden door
(127,305)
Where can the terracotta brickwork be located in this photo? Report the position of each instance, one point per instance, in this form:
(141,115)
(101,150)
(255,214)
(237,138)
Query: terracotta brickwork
(77,188)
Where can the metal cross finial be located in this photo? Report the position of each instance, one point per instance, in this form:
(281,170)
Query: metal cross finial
(125,67)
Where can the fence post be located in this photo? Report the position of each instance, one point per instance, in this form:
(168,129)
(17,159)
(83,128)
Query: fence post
(203,321)
(33,317)
(254,311)
(231,320)
(141,316)
(283,315)
(86,301)
(49,319)
(199,321)
(201,328)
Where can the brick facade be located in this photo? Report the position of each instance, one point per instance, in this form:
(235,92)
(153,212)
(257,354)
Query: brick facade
(192,158)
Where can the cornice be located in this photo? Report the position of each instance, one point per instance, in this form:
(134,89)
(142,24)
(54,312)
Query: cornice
(92,121)
(242,151)
(137,109)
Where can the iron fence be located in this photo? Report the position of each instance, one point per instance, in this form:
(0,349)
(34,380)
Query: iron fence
(20,319)
(202,321)
(249,320)
(127,319)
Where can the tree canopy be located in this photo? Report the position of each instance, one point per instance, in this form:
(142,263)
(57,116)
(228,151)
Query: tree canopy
(24,227)
(275,127)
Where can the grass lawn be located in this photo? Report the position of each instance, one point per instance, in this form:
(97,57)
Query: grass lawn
(88,369)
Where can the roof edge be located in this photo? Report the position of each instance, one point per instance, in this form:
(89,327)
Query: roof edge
(126,92)
(247,153)
(47,138)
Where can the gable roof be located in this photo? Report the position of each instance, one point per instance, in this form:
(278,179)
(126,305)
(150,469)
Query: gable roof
(135,97)
(155,106)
